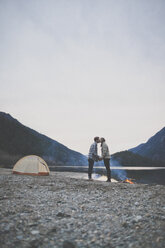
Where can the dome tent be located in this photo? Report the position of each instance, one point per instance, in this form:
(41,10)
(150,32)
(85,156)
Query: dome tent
(31,165)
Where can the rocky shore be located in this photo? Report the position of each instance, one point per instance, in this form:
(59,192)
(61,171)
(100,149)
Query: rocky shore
(59,211)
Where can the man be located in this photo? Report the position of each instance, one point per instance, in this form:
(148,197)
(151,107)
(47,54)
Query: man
(92,156)
(106,157)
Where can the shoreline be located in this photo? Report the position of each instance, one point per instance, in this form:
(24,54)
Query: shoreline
(146,176)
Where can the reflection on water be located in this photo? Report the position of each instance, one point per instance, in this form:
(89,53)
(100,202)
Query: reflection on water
(103,178)
(95,176)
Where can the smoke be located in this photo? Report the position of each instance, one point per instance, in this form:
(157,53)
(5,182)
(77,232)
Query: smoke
(119,174)
(57,154)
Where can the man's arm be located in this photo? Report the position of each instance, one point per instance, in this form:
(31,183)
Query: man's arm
(95,149)
(95,155)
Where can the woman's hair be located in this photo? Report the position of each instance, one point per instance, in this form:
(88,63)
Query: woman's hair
(102,139)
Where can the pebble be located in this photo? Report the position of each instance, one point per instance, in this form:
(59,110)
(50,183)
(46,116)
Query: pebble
(137,218)
(20,237)
(34,232)
(7,228)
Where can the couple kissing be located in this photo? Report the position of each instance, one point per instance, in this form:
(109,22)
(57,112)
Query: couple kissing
(93,157)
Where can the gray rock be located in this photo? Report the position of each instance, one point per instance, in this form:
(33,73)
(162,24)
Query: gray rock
(68,244)
(63,215)
(137,218)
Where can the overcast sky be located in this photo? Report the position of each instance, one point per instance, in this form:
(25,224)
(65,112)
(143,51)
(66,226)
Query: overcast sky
(76,69)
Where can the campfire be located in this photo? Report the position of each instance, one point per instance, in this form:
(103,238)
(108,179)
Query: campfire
(128,181)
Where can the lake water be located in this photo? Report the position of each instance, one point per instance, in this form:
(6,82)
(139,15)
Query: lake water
(112,167)
(149,175)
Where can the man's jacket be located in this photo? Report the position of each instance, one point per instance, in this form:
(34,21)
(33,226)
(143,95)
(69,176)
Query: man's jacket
(93,152)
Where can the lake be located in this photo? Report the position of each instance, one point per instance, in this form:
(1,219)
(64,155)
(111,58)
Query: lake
(148,175)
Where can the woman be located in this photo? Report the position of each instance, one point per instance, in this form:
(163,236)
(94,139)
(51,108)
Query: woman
(106,157)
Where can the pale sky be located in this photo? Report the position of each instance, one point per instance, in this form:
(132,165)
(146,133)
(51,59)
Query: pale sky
(75,69)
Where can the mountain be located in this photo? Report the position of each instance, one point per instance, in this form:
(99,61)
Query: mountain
(154,148)
(128,158)
(151,153)
(17,140)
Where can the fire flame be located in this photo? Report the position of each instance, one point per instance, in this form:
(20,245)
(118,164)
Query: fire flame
(128,181)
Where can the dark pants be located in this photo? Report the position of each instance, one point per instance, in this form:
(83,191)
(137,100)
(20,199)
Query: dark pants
(107,165)
(90,167)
